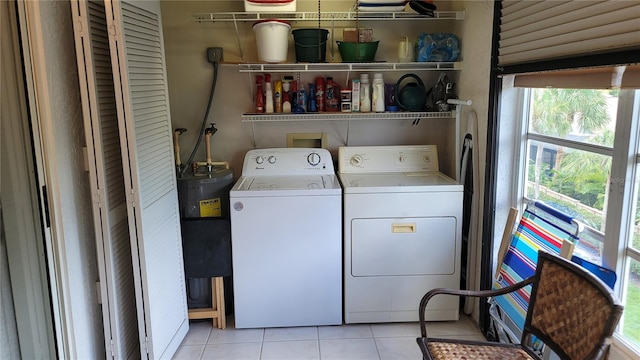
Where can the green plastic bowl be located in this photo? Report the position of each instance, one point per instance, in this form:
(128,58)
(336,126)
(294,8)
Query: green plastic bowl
(357,52)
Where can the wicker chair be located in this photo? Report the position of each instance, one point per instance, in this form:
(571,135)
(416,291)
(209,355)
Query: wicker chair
(570,310)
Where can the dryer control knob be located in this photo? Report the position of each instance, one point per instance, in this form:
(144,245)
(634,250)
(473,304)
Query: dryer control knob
(271,159)
(259,160)
(427,158)
(313,159)
(401,159)
(356,160)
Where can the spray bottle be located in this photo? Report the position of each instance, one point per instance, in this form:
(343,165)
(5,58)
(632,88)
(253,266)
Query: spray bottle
(302,98)
(277,96)
(286,91)
(259,95)
(268,101)
(332,95)
(320,93)
(294,97)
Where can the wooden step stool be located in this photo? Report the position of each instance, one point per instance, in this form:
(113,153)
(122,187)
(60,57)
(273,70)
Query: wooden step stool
(216,312)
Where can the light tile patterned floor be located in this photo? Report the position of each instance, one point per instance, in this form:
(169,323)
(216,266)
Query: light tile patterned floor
(346,342)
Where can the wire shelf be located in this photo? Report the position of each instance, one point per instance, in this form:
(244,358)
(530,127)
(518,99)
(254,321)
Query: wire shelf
(329,16)
(341,67)
(343,116)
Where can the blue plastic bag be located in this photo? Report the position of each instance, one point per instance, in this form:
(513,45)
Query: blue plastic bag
(439,47)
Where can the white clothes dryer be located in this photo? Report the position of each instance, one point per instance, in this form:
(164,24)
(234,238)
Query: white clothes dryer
(286,236)
(402,233)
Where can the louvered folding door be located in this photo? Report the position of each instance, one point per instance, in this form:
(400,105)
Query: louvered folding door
(125,100)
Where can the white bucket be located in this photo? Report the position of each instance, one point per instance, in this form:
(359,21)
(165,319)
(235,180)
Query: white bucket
(272,38)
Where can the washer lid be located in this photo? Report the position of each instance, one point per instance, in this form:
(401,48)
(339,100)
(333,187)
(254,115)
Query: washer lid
(287,185)
(398,182)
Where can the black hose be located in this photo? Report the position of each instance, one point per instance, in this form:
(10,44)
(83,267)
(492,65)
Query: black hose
(204,121)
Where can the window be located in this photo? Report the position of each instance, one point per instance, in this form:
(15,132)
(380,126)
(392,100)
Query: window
(570,134)
(579,153)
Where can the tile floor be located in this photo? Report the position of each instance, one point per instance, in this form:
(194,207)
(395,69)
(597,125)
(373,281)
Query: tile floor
(346,342)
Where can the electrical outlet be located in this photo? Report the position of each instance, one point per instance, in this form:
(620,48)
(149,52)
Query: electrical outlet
(214,54)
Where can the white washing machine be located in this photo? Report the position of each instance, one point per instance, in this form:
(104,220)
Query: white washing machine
(402,233)
(286,236)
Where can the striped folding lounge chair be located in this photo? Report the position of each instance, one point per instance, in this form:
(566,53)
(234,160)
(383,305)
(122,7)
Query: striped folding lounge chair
(540,227)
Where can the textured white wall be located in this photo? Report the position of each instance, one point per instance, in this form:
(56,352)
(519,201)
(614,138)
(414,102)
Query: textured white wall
(474,85)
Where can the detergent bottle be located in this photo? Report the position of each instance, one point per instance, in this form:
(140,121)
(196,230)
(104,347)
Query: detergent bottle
(268,94)
(365,93)
(377,93)
(259,95)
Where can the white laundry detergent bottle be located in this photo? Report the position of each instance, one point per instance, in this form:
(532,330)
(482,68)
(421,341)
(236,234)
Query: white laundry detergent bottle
(365,93)
(377,93)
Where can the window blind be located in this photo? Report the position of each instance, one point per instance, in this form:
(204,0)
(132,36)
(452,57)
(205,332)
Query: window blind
(533,31)
(631,78)
(611,77)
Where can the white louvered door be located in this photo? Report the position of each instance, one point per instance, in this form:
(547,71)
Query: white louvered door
(107,180)
(137,55)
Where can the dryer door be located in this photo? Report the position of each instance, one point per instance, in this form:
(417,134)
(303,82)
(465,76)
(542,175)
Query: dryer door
(403,246)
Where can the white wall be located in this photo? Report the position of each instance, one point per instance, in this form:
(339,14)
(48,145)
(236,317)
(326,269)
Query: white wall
(476,37)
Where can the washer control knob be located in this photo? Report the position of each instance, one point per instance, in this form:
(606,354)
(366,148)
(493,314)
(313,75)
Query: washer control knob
(313,159)
(427,158)
(401,159)
(356,160)
(259,160)
(271,159)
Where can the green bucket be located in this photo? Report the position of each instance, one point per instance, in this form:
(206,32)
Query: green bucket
(311,44)
(357,52)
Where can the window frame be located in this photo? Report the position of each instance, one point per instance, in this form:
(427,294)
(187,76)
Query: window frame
(625,165)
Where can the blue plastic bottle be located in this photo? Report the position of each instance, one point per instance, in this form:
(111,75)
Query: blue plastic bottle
(302,98)
(312,99)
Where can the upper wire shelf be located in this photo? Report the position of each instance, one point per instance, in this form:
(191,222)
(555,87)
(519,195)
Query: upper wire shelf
(313,16)
(341,116)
